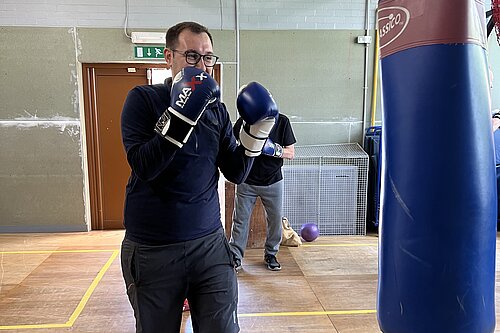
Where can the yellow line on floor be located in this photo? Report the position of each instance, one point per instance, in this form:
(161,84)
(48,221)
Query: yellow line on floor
(313,313)
(91,289)
(34,326)
(339,245)
(83,301)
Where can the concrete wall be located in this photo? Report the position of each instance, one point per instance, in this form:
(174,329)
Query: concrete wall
(41,174)
(305,52)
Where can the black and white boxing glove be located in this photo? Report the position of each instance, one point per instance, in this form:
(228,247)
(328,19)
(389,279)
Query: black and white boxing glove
(192,91)
(259,111)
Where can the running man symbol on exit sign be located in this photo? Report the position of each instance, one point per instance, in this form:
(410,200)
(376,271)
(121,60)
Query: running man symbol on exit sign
(149,52)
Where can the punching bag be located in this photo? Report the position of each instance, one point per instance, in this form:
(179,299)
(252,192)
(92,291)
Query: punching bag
(438,195)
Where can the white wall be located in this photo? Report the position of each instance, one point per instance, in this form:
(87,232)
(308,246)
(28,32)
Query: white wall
(215,14)
(159,14)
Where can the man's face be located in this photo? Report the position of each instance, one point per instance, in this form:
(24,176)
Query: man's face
(188,41)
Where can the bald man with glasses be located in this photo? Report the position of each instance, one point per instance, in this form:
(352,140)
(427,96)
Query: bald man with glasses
(177,136)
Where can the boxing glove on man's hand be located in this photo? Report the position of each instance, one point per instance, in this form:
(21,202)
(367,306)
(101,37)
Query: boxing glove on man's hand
(272,149)
(192,91)
(259,111)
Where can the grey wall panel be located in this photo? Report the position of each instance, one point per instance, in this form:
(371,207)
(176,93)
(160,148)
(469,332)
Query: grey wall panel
(103,45)
(229,89)
(313,75)
(41,203)
(38,73)
(112,45)
(224,44)
(41,149)
(41,174)
(326,133)
(41,178)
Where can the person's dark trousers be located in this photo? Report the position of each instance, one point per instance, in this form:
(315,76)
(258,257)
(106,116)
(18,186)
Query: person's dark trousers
(159,278)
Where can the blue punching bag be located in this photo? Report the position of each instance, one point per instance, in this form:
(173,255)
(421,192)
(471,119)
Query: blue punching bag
(438,204)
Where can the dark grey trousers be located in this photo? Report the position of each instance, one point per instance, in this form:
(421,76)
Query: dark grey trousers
(159,278)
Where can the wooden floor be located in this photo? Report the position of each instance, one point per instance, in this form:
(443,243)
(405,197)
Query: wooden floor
(72,283)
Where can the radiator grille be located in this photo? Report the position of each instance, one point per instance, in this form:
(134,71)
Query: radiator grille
(327,185)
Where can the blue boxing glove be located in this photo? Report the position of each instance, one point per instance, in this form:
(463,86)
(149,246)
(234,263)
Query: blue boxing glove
(272,149)
(192,91)
(259,111)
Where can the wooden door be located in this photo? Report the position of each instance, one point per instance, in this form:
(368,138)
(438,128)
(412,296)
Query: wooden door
(105,88)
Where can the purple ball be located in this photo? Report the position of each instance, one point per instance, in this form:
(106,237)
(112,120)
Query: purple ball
(309,232)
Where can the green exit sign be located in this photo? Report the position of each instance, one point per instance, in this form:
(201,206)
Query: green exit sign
(148,52)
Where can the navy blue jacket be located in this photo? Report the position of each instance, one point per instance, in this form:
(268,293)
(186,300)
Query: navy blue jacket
(171,195)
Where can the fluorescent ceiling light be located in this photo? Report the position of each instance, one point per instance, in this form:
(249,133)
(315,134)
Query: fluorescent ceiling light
(148,37)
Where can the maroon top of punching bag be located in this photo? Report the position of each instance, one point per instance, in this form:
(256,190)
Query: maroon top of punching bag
(404,24)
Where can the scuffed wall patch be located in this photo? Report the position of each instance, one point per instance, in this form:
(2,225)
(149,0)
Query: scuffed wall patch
(66,125)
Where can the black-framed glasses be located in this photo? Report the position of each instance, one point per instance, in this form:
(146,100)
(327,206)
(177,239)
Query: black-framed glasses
(193,57)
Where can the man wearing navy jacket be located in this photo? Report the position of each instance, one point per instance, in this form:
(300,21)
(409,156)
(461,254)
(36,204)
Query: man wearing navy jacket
(177,137)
